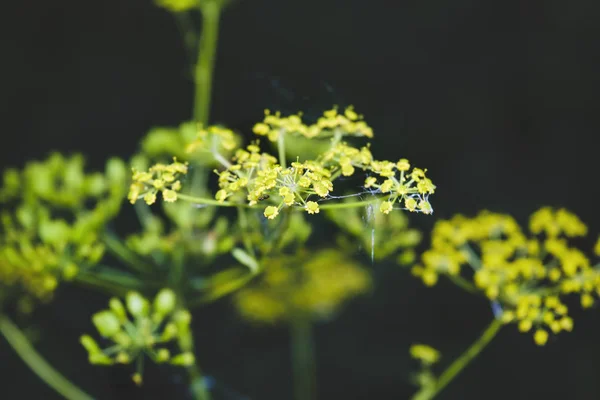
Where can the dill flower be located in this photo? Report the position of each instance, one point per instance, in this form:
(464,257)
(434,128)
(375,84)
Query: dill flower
(330,124)
(527,275)
(159,178)
(314,284)
(251,175)
(141,328)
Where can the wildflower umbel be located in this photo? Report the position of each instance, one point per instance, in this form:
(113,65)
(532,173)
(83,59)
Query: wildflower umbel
(330,124)
(318,286)
(159,178)
(153,328)
(526,275)
(255,176)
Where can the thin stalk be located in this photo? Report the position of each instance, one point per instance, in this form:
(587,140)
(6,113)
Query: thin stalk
(464,359)
(211,13)
(463,284)
(18,341)
(303,358)
(243,218)
(281,149)
(224,291)
(110,280)
(208,202)
(197,385)
(116,247)
(213,202)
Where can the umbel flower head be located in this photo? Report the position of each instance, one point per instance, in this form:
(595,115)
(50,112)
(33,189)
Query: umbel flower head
(159,178)
(331,124)
(527,275)
(311,284)
(255,176)
(139,328)
(53,212)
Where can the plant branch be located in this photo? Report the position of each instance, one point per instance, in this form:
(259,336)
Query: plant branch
(462,361)
(203,74)
(18,341)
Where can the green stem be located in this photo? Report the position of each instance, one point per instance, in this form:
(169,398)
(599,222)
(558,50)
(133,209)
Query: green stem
(464,284)
(211,13)
(281,149)
(207,201)
(18,341)
(303,358)
(224,290)
(243,218)
(197,385)
(110,280)
(213,202)
(116,247)
(351,204)
(464,359)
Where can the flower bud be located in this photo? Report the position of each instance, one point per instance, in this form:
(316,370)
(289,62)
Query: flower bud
(107,323)
(136,304)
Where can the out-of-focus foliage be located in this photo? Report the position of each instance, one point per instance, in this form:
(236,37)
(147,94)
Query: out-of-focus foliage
(52,215)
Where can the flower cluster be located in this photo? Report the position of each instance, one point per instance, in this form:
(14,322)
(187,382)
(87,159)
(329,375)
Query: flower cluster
(153,328)
(526,275)
(258,176)
(330,124)
(159,178)
(57,213)
(403,185)
(310,284)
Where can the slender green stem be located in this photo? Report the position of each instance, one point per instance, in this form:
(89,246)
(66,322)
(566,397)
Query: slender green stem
(351,204)
(111,280)
(144,215)
(197,385)
(464,359)
(243,218)
(303,358)
(207,201)
(223,291)
(211,13)
(213,202)
(474,259)
(18,341)
(116,247)
(463,284)
(281,149)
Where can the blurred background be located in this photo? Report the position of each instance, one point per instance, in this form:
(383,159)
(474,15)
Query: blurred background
(498,99)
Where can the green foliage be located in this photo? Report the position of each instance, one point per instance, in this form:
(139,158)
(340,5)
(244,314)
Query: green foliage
(251,236)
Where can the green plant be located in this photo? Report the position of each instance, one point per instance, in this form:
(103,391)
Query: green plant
(190,251)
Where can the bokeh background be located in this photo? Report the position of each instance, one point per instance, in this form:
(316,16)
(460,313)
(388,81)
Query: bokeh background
(498,99)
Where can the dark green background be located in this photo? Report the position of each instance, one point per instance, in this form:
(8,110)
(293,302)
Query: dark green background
(499,99)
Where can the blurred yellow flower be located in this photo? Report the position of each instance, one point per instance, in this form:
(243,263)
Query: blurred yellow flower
(314,284)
